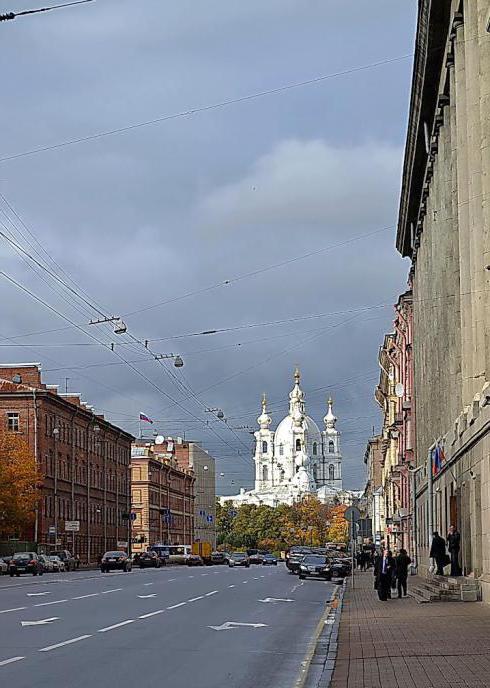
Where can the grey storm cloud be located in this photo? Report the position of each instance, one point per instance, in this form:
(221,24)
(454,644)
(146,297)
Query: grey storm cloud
(178,208)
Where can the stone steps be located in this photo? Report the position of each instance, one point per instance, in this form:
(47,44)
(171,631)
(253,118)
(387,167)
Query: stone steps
(440,589)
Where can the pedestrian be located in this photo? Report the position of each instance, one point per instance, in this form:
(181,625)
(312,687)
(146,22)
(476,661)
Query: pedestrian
(453,545)
(402,562)
(384,568)
(438,552)
(359,560)
(364,560)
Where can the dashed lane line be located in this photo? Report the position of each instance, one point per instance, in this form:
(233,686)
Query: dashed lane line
(231,586)
(47,604)
(118,625)
(147,616)
(65,642)
(174,606)
(15,609)
(194,599)
(214,592)
(10,661)
(83,597)
(106,592)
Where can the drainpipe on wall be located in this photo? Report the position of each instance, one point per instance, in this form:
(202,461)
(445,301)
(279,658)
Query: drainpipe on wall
(430,522)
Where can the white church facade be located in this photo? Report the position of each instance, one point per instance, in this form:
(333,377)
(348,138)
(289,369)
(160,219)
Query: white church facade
(296,459)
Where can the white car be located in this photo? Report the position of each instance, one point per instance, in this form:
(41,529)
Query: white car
(58,564)
(3,567)
(47,563)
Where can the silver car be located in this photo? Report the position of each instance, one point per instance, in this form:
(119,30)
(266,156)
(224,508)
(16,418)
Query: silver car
(47,563)
(58,565)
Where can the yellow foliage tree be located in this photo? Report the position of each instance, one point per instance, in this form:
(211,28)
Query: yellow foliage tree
(19,484)
(339,528)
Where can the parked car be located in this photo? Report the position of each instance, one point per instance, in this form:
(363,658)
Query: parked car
(195,560)
(269,560)
(315,565)
(219,557)
(58,564)
(239,559)
(67,558)
(294,560)
(47,563)
(341,567)
(115,561)
(3,566)
(162,551)
(25,562)
(149,559)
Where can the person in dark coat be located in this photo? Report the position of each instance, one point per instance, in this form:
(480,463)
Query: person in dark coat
(384,569)
(438,552)
(453,545)
(402,561)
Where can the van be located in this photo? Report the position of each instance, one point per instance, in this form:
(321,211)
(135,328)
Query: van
(177,554)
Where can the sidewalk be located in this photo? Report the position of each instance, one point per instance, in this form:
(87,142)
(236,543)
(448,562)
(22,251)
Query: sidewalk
(402,644)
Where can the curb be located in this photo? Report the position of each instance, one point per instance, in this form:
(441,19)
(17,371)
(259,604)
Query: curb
(319,664)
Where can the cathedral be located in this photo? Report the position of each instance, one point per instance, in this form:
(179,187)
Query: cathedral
(296,459)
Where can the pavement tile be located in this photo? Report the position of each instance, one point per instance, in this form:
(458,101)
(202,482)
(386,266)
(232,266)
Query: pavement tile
(406,645)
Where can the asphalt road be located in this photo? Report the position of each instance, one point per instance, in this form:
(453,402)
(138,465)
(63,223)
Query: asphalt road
(151,627)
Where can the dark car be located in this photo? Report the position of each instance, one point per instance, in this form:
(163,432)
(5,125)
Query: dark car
(294,560)
(269,560)
(255,556)
(219,557)
(315,565)
(149,560)
(194,560)
(25,562)
(66,557)
(239,559)
(113,561)
(341,568)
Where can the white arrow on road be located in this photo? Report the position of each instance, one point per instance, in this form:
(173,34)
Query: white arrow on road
(37,594)
(275,599)
(145,597)
(40,622)
(235,624)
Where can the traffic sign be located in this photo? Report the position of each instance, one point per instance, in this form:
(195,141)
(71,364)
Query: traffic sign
(52,530)
(132,516)
(352,514)
(72,526)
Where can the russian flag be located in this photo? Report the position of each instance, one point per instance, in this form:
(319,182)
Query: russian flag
(144,417)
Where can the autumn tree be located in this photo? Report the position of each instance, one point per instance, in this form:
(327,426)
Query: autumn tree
(19,484)
(339,528)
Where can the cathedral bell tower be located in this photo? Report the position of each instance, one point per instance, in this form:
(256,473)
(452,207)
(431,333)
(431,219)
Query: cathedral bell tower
(264,451)
(332,456)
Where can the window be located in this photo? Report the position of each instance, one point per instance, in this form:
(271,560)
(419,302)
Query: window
(265,473)
(298,444)
(281,450)
(264,447)
(331,472)
(315,448)
(331,447)
(13,422)
(315,473)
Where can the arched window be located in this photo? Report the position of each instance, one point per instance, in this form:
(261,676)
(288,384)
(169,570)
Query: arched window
(281,450)
(331,447)
(331,472)
(265,473)
(298,444)
(264,447)
(282,474)
(315,448)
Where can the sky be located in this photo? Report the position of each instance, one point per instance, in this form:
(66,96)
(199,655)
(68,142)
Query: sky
(272,218)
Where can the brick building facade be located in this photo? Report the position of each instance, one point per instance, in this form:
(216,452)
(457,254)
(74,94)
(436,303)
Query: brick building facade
(84,460)
(162,496)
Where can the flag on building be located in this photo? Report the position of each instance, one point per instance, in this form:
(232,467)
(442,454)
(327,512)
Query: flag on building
(144,417)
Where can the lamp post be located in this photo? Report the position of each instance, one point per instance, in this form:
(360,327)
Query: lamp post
(56,433)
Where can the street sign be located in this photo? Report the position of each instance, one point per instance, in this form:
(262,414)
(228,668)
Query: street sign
(72,526)
(122,543)
(352,514)
(133,516)
(52,530)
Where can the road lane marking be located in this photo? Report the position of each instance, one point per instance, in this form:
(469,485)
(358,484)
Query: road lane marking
(229,625)
(37,594)
(147,583)
(231,586)
(118,625)
(9,661)
(171,580)
(82,597)
(65,642)
(244,581)
(106,592)
(214,592)
(40,622)
(147,616)
(174,606)
(46,604)
(194,599)
(145,597)
(256,578)
(204,574)
(275,599)
(190,576)
(16,609)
